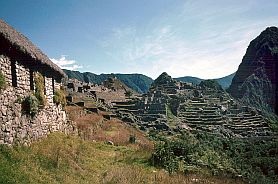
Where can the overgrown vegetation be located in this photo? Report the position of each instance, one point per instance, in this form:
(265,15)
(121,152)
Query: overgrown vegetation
(70,159)
(211,155)
(30,105)
(274,50)
(39,89)
(128,93)
(132,139)
(3,84)
(60,97)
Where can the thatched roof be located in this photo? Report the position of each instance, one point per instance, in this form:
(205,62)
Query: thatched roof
(25,46)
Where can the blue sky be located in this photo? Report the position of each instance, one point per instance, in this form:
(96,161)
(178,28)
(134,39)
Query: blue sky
(202,38)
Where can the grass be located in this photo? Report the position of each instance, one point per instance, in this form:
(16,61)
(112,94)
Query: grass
(87,158)
(69,159)
(62,159)
(172,119)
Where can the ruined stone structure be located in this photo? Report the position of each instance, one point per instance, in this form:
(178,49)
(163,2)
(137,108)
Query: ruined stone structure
(196,109)
(216,112)
(20,60)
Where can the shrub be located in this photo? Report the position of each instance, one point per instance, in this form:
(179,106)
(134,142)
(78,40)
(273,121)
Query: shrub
(30,105)
(209,154)
(274,50)
(2,82)
(59,97)
(132,139)
(128,93)
(39,90)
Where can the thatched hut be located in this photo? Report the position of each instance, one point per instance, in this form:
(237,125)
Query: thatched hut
(29,80)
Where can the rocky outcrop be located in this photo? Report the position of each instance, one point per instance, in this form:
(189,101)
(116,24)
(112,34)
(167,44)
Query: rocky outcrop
(256,80)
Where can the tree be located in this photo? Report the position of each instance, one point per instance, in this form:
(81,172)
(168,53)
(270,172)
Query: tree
(128,93)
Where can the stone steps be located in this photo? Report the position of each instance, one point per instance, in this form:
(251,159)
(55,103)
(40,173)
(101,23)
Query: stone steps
(247,132)
(244,129)
(210,116)
(244,126)
(249,122)
(203,122)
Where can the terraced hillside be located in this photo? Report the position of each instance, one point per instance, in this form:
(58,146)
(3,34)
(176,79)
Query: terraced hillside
(171,106)
(222,115)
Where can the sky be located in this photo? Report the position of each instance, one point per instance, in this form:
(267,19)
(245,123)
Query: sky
(200,38)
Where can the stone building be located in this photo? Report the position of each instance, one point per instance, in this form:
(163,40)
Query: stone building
(20,61)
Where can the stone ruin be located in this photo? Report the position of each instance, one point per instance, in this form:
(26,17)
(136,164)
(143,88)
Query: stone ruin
(109,91)
(19,61)
(196,109)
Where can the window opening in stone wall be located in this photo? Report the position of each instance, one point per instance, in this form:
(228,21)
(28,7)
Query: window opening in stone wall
(14,76)
(53,85)
(31,80)
(44,85)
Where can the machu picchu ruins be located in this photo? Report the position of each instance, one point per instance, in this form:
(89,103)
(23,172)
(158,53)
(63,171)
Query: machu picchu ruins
(197,108)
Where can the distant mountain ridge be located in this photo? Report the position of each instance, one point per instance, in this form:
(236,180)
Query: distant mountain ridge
(225,82)
(138,82)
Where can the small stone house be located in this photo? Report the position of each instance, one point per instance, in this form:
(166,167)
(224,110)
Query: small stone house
(20,61)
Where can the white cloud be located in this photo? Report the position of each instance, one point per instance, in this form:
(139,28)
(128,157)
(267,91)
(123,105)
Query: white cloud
(66,63)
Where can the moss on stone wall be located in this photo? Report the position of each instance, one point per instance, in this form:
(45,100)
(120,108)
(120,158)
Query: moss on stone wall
(39,89)
(59,97)
(3,84)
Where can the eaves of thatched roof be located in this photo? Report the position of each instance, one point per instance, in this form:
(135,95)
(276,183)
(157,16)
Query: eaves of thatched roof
(25,46)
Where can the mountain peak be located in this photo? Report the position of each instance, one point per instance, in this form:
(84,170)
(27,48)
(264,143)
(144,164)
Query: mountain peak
(266,41)
(163,78)
(271,29)
(256,79)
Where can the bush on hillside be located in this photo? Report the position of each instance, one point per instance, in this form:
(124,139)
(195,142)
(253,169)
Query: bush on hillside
(219,156)
(132,139)
(128,93)
(274,50)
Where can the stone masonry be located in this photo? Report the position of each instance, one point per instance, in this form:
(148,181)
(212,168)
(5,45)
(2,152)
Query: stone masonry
(16,127)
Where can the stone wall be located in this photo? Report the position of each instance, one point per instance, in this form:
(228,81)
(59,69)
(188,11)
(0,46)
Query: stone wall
(23,80)
(17,127)
(49,91)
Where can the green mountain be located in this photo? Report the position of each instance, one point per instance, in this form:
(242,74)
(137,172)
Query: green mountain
(225,82)
(137,82)
(194,80)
